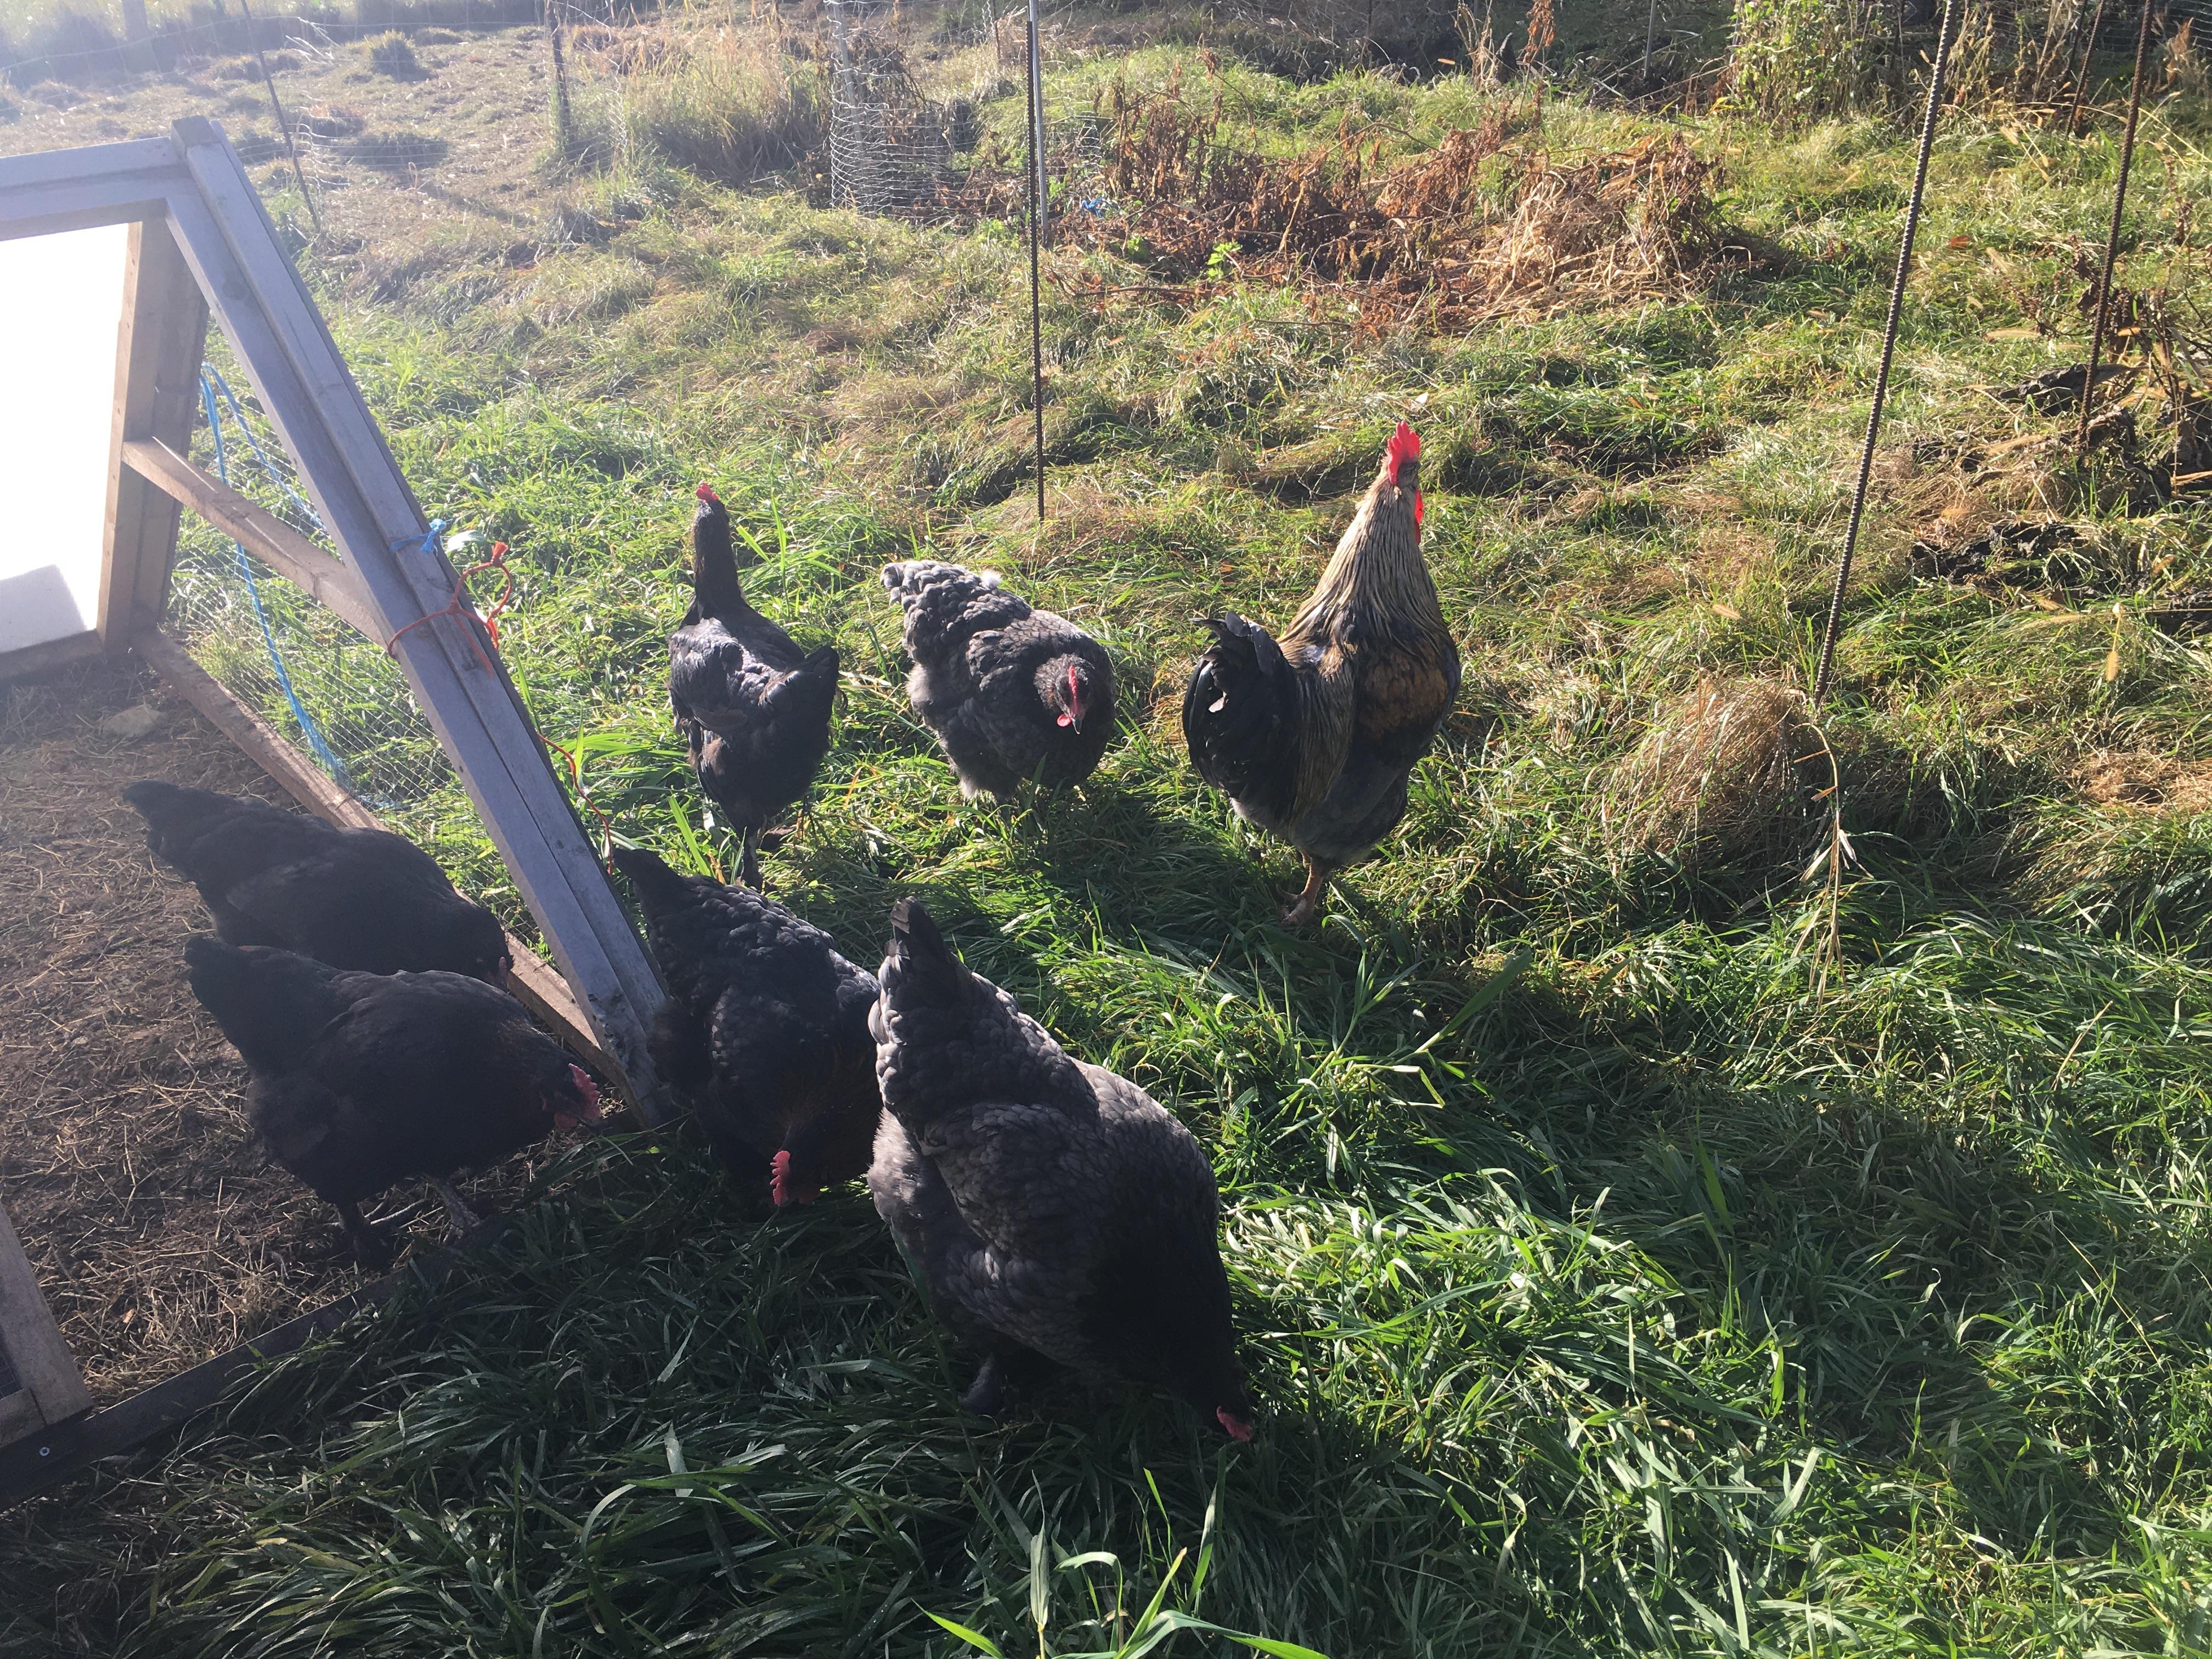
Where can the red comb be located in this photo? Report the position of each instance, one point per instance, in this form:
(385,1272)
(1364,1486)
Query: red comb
(706,493)
(1237,1427)
(1405,446)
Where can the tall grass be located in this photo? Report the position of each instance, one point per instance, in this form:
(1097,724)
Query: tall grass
(1638,1248)
(731,107)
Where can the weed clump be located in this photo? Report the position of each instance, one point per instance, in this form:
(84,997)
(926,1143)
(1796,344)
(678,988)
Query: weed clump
(725,107)
(1488,224)
(392,53)
(1714,778)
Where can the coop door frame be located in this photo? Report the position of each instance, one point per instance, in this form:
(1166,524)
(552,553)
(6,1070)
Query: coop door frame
(204,248)
(39,1383)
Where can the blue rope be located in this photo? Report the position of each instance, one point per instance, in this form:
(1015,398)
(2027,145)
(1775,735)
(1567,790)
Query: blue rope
(211,379)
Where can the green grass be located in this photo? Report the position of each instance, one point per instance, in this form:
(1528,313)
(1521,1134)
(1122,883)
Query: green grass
(1614,1282)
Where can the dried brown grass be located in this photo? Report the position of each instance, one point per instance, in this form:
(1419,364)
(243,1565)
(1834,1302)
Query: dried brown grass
(1489,223)
(1714,777)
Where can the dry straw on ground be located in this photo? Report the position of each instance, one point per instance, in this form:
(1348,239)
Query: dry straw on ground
(160,1232)
(1714,777)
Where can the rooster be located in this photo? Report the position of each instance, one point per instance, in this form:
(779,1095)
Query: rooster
(754,710)
(764,1033)
(1013,693)
(1314,738)
(1059,1214)
(362,899)
(362,1080)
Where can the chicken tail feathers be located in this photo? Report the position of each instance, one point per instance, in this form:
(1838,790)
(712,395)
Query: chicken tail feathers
(270,1003)
(920,959)
(1240,717)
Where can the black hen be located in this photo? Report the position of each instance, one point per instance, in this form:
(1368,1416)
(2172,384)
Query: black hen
(1057,1213)
(362,899)
(1013,693)
(764,1034)
(362,1080)
(753,707)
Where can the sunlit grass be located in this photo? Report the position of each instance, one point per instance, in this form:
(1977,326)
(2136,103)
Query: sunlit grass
(1615,1281)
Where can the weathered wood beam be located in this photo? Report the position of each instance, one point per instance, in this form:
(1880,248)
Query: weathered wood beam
(255,528)
(36,1352)
(164,328)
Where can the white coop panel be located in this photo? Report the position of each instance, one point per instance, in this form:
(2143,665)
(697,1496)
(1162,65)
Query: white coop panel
(61,303)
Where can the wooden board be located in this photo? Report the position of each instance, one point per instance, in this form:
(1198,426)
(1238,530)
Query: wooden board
(159,465)
(49,655)
(36,1353)
(362,498)
(159,340)
(534,984)
(60,189)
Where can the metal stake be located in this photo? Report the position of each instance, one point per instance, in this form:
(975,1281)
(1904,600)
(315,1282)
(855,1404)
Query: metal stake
(1888,353)
(291,145)
(1036,238)
(2112,236)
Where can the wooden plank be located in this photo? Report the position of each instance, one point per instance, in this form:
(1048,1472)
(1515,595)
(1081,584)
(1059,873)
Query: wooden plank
(58,190)
(49,655)
(536,984)
(36,1462)
(158,340)
(373,517)
(87,165)
(19,1416)
(260,532)
(36,1352)
(49,210)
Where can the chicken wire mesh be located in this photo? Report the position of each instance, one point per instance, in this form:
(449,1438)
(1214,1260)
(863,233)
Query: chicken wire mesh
(330,692)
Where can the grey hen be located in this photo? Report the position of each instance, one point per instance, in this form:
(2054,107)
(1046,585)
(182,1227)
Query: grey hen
(1060,1215)
(1013,693)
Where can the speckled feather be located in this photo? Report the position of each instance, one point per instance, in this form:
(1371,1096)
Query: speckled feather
(1052,1204)
(982,656)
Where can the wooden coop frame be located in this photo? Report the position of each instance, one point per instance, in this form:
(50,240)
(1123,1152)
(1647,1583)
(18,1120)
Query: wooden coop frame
(202,248)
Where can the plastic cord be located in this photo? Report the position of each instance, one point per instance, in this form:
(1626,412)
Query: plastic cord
(211,379)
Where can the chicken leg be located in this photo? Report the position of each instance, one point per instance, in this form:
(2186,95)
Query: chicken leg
(370,1248)
(749,860)
(1300,911)
(457,1208)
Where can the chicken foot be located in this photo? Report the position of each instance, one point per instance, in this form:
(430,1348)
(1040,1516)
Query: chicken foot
(370,1248)
(1300,910)
(749,862)
(464,1220)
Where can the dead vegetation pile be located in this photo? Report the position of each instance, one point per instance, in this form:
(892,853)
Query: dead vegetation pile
(1490,222)
(1714,776)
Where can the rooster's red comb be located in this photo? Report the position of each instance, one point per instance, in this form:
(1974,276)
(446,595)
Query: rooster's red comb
(1405,446)
(706,493)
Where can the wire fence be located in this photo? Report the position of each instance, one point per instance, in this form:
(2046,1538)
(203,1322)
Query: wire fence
(333,693)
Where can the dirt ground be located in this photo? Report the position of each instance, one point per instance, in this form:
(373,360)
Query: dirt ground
(160,1232)
(454,142)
